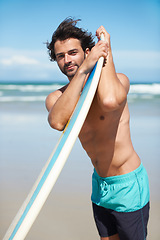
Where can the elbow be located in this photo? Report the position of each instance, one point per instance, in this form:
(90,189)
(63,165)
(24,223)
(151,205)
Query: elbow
(109,104)
(55,124)
(112,103)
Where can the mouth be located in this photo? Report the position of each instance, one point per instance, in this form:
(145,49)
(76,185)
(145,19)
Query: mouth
(69,68)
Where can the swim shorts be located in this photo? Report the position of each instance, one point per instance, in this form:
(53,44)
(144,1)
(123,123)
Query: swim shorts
(121,204)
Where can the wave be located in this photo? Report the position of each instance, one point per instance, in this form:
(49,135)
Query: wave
(134,88)
(39,92)
(145,89)
(30,88)
(143,92)
(23,99)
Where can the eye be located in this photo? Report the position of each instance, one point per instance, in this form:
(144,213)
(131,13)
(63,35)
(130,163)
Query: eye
(73,52)
(60,56)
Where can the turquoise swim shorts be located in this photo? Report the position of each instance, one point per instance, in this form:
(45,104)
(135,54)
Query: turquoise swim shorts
(123,193)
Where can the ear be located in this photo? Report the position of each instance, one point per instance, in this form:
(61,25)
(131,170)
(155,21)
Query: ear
(87,52)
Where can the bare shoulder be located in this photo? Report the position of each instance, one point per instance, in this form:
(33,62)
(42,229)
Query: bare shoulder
(53,97)
(124,80)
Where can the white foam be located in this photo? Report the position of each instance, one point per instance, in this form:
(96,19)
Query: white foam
(22,99)
(30,88)
(33,93)
(145,89)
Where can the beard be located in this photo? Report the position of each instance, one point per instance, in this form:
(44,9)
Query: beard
(70,70)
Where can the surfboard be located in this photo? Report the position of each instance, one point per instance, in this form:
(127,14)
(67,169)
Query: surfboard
(32,205)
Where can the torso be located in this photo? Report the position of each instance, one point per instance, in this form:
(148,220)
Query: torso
(106,139)
(105,136)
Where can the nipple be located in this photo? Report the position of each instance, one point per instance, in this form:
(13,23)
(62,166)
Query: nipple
(102,117)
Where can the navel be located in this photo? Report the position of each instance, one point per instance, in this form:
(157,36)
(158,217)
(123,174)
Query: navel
(102,117)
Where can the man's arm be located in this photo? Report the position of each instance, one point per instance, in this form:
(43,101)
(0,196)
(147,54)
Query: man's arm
(113,88)
(61,104)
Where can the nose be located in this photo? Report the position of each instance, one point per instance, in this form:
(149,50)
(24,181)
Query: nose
(67,58)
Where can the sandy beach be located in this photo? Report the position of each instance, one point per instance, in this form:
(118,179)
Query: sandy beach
(26,143)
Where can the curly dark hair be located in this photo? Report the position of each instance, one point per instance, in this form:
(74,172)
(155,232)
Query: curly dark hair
(68,29)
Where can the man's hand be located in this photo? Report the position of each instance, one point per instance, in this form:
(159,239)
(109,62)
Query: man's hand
(106,40)
(99,50)
(101,30)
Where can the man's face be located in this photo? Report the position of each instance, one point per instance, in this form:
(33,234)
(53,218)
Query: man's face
(69,56)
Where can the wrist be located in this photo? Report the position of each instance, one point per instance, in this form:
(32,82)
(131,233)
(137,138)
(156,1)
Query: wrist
(82,70)
(109,56)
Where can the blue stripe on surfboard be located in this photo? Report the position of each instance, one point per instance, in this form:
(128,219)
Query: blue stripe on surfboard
(57,152)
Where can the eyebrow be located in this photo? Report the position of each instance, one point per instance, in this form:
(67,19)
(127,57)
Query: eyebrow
(72,50)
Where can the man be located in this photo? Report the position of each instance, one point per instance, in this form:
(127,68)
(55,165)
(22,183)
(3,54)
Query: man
(120,193)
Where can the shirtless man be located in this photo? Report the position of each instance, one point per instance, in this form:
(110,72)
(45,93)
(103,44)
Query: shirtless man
(120,192)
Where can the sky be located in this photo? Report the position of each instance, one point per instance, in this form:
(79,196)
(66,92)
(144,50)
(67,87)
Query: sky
(26,25)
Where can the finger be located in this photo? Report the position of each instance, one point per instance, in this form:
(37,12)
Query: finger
(100,30)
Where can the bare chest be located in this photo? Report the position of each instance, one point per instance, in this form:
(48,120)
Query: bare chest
(99,125)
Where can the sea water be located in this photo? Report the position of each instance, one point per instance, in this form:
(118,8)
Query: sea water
(34,92)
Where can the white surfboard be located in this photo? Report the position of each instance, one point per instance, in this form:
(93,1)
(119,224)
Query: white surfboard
(45,182)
